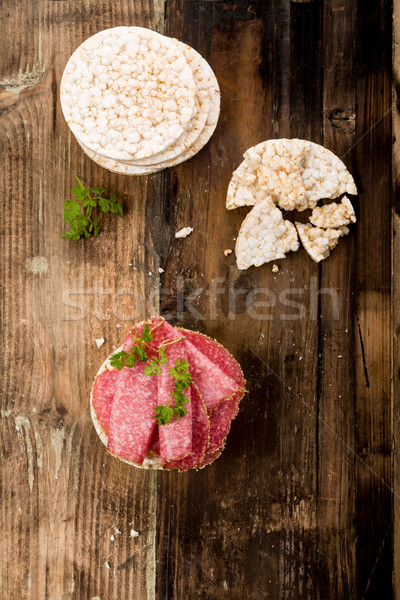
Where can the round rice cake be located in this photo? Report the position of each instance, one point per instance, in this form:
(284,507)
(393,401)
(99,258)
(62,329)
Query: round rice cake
(128,93)
(264,236)
(296,173)
(117,166)
(204,79)
(126,168)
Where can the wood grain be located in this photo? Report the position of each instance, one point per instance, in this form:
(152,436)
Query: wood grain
(396,296)
(300,505)
(62,495)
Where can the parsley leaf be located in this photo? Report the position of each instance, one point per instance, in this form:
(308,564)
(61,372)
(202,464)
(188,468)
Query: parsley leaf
(183,380)
(78,212)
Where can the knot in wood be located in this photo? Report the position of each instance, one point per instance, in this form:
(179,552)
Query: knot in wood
(343,119)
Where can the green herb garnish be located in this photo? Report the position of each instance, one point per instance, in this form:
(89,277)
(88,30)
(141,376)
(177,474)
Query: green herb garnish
(164,413)
(156,364)
(78,212)
(128,358)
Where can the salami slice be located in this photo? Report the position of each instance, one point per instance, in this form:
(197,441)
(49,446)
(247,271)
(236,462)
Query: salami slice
(209,458)
(175,436)
(220,422)
(132,422)
(156,325)
(222,415)
(213,384)
(103,396)
(217,354)
(200,427)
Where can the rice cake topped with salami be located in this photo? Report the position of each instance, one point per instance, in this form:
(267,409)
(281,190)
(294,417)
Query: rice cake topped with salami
(128,92)
(135,404)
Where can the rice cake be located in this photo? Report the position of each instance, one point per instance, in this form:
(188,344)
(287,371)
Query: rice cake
(333,215)
(128,93)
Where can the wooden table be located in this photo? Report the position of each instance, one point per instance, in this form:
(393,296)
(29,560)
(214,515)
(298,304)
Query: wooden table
(302,502)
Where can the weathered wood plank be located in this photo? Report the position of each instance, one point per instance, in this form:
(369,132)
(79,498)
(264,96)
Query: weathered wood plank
(336,506)
(396,297)
(250,520)
(372,289)
(62,495)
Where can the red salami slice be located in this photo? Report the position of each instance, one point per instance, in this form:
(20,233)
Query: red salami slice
(176,436)
(200,427)
(217,354)
(103,396)
(222,415)
(132,423)
(220,422)
(156,325)
(213,384)
(209,458)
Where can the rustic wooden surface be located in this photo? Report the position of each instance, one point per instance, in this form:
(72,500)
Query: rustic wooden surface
(301,503)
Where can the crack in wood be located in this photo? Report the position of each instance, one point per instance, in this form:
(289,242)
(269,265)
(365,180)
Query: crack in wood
(363,355)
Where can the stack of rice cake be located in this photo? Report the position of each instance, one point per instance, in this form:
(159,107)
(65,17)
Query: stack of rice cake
(137,101)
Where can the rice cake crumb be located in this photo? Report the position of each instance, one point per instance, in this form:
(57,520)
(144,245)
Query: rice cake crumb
(100,342)
(184,232)
(134,533)
(275,268)
(227,252)
(334,215)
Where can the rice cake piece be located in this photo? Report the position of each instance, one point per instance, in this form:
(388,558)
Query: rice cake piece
(334,215)
(319,242)
(296,173)
(127,93)
(264,236)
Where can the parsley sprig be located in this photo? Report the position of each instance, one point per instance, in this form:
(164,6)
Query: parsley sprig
(78,212)
(128,358)
(157,363)
(164,413)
